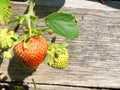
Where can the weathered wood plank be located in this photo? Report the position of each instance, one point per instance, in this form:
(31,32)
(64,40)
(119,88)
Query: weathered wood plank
(55,87)
(7,86)
(91,4)
(94,56)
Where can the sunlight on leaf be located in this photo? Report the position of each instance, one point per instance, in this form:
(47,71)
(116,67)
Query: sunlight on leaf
(5,11)
(63,24)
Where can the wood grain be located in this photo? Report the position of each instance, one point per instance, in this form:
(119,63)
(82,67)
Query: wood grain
(55,87)
(94,56)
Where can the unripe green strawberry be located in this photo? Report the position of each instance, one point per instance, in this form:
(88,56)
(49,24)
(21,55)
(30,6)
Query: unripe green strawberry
(34,54)
(7,38)
(57,56)
(61,60)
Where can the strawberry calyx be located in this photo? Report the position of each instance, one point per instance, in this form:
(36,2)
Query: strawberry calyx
(7,38)
(6,55)
(26,39)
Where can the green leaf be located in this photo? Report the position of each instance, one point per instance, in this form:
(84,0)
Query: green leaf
(63,24)
(5,11)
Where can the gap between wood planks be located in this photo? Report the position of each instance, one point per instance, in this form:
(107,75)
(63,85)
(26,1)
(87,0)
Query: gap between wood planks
(9,84)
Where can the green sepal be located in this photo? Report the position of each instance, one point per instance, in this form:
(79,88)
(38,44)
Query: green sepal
(6,55)
(7,38)
(26,44)
(48,59)
(33,17)
(13,20)
(25,39)
(6,43)
(15,36)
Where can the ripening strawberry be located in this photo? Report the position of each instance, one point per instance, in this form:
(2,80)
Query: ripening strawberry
(57,56)
(34,54)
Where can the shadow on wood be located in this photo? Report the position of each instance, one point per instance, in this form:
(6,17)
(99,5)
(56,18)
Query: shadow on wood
(20,0)
(111,3)
(17,72)
(1,60)
(15,87)
(43,6)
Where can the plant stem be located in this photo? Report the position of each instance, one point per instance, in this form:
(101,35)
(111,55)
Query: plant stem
(31,6)
(18,41)
(12,26)
(35,88)
(29,24)
(28,16)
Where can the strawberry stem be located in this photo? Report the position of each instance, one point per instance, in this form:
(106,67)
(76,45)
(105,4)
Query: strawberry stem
(29,15)
(31,7)
(29,25)
(15,43)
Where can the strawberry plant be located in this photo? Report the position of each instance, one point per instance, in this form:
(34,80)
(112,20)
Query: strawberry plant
(32,48)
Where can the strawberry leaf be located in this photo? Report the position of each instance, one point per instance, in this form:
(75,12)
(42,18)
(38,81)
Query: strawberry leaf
(63,24)
(5,11)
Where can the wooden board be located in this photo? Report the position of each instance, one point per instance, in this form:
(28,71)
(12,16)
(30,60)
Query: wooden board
(43,87)
(56,87)
(94,56)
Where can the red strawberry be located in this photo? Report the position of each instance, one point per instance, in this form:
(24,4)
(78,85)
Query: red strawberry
(34,54)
